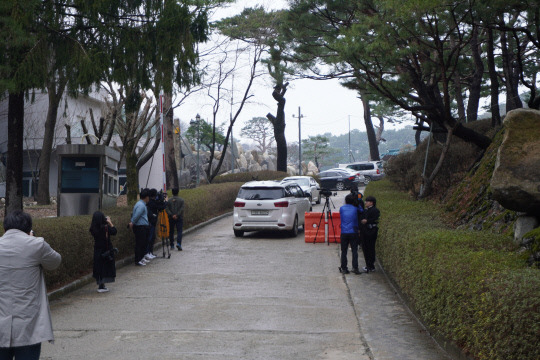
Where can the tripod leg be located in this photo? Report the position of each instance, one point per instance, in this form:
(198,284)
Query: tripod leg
(333,228)
(319,225)
(163,246)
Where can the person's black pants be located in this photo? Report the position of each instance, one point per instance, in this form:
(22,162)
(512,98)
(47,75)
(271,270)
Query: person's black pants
(29,352)
(368,247)
(177,224)
(141,241)
(346,240)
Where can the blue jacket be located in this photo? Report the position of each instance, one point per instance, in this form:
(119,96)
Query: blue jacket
(140,214)
(349,218)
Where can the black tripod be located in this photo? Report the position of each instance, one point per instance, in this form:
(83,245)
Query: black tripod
(328,211)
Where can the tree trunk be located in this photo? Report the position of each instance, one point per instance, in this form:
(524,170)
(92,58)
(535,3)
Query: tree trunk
(132,175)
(15,151)
(55,96)
(171,173)
(279,127)
(512,94)
(476,82)
(372,138)
(428,181)
(494,87)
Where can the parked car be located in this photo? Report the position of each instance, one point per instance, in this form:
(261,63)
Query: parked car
(361,178)
(270,205)
(338,179)
(372,170)
(308,185)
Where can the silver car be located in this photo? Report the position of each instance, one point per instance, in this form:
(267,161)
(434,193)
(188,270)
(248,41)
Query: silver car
(372,170)
(308,185)
(269,205)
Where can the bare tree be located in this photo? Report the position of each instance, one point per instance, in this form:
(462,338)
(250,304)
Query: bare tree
(260,130)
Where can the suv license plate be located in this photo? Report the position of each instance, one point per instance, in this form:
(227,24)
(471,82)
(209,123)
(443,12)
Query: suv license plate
(259,212)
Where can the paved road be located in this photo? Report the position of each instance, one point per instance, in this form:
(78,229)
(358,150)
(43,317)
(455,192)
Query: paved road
(258,297)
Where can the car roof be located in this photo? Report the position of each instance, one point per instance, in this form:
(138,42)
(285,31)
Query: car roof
(297,177)
(266,183)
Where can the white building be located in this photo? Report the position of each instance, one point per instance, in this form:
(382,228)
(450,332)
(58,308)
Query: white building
(71,111)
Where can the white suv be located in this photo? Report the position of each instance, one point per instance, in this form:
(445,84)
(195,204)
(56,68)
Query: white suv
(269,205)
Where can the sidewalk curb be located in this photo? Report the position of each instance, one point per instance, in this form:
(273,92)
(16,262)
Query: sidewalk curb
(452,350)
(87,279)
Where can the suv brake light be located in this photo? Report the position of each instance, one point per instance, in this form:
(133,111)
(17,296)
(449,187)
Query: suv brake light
(378,171)
(239,204)
(352,177)
(281,204)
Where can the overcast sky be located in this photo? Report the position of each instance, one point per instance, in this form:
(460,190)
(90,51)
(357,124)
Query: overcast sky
(325,105)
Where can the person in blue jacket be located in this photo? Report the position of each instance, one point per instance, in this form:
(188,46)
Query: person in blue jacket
(349,233)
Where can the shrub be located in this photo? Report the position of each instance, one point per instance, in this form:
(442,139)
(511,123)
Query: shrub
(468,286)
(71,238)
(250,176)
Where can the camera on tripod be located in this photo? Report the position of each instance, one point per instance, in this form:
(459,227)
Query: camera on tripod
(325,192)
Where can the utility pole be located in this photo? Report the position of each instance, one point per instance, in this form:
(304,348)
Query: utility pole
(349,138)
(300,116)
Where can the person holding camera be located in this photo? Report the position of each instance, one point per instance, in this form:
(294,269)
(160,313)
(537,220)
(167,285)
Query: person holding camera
(156,204)
(25,318)
(140,226)
(370,230)
(104,267)
(175,210)
(349,232)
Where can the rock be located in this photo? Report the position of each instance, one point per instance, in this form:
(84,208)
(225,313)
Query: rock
(255,156)
(523,225)
(516,178)
(242,161)
(311,168)
(264,167)
(271,165)
(249,157)
(291,170)
(254,167)
(239,148)
(184,177)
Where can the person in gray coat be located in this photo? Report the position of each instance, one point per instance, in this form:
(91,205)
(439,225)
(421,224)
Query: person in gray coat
(25,319)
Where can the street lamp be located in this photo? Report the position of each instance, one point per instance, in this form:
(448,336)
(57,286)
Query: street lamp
(300,116)
(197,122)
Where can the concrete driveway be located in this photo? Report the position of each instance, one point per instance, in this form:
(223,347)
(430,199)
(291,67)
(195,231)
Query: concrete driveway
(263,296)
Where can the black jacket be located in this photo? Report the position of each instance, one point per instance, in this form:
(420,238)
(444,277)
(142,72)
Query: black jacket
(154,207)
(372,216)
(103,268)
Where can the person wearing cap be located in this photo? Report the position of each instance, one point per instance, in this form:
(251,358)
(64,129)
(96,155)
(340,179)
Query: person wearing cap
(369,232)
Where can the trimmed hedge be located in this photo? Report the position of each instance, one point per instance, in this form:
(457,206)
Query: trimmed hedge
(244,177)
(471,287)
(70,236)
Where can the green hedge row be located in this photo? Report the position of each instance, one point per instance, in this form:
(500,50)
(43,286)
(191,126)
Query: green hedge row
(71,238)
(250,176)
(471,287)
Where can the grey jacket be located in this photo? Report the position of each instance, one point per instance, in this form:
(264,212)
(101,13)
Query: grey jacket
(175,206)
(25,318)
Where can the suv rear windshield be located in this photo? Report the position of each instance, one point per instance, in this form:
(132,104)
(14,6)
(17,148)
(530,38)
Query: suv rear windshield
(260,193)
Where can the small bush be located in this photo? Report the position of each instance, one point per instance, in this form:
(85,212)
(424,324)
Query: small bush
(250,176)
(71,238)
(471,287)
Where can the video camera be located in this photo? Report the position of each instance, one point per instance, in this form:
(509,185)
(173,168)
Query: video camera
(325,192)
(160,197)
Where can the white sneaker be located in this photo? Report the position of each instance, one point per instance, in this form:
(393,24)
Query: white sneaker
(142,263)
(148,257)
(152,256)
(102,290)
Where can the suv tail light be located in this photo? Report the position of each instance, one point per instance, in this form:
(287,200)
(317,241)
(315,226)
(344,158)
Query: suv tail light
(281,204)
(378,171)
(239,204)
(352,177)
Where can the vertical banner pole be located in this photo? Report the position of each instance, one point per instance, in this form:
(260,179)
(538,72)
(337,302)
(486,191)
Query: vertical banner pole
(162,140)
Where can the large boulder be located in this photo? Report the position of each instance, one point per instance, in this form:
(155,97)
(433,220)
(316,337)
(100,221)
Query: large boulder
(242,162)
(254,167)
(291,170)
(311,168)
(255,155)
(516,178)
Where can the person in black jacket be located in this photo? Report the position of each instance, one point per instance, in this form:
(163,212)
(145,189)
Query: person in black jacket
(153,207)
(369,232)
(104,267)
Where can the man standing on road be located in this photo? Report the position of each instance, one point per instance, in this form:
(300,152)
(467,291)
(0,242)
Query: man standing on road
(369,232)
(349,233)
(175,210)
(140,226)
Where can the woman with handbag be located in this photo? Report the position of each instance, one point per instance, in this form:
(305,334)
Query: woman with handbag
(104,267)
